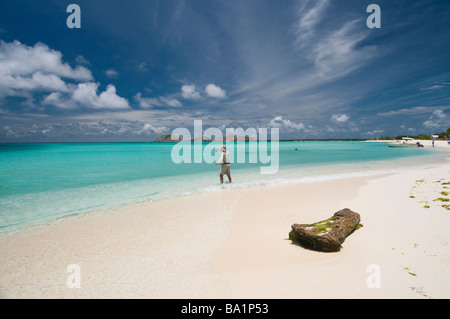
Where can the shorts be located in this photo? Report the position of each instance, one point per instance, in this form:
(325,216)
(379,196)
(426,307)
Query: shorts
(225,169)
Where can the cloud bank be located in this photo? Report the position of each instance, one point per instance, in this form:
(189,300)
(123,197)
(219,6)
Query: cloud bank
(25,69)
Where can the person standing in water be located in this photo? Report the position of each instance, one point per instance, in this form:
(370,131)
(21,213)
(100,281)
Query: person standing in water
(224,160)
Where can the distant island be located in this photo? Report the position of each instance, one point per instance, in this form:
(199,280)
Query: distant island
(443,136)
(165,139)
(168,138)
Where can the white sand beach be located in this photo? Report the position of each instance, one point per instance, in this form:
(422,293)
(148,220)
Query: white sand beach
(170,150)
(233,244)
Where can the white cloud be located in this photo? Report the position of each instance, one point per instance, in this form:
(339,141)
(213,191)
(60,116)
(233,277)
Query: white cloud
(215,91)
(439,114)
(334,50)
(415,110)
(327,47)
(437,120)
(309,18)
(338,54)
(148,128)
(85,95)
(143,67)
(82,60)
(46,131)
(441,85)
(50,82)
(104,129)
(147,103)
(57,99)
(340,118)
(430,124)
(109,99)
(111,73)
(433,87)
(170,102)
(281,123)
(375,132)
(24,68)
(15,85)
(189,92)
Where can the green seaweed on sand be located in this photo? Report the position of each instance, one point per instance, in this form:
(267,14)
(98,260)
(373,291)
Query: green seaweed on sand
(444,193)
(441,199)
(409,272)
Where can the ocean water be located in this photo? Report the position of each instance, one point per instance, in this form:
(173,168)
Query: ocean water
(40,182)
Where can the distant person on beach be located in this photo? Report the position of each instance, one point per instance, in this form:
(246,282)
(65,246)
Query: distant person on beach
(224,160)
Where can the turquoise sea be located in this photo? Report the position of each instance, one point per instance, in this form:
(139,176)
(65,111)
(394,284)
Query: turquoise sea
(40,182)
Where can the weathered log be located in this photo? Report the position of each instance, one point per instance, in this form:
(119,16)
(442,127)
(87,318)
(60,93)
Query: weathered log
(327,235)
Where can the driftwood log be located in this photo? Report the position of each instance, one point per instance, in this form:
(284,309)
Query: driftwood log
(327,235)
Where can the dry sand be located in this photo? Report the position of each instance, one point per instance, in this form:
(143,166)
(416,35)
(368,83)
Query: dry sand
(232,244)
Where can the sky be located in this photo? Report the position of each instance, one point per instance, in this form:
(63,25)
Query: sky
(138,69)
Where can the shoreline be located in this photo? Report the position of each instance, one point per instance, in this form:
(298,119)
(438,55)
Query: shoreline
(326,171)
(232,244)
(425,143)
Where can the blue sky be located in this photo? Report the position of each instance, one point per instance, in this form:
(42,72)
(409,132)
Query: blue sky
(138,69)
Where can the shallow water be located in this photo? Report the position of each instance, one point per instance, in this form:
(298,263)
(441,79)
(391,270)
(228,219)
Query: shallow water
(39,182)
